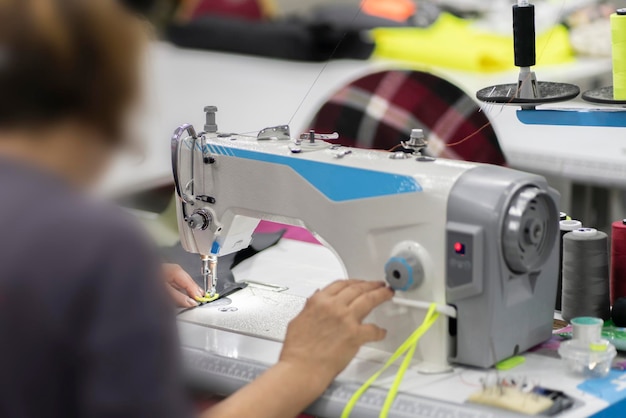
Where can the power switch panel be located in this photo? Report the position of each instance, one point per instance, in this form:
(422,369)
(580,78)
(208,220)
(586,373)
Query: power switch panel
(464,252)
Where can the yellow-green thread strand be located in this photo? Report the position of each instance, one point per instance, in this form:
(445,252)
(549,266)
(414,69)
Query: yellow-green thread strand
(510,363)
(357,395)
(207,298)
(393,391)
(598,347)
(409,345)
(395,387)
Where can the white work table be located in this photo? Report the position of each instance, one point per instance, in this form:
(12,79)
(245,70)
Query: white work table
(253,93)
(301,268)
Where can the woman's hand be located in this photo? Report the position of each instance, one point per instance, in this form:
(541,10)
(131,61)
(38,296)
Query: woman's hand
(320,343)
(324,338)
(181,286)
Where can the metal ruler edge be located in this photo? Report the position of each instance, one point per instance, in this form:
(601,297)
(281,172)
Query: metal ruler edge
(225,375)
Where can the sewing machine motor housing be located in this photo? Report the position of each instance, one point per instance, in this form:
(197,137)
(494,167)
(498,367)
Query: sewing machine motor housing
(480,238)
(506,221)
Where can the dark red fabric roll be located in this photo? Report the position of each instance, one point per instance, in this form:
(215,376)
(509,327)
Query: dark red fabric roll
(379,110)
(618,261)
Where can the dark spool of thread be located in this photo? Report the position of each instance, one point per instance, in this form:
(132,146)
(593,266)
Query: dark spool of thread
(585,274)
(565,226)
(524,35)
(618,313)
(618,261)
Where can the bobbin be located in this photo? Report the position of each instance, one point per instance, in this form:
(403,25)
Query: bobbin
(587,354)
(570,225)
(587,329)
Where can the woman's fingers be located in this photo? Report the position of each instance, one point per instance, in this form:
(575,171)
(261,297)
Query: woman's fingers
(350,293)
(370,333)
(366,302)
(336,287)
(180,279)
(180,299)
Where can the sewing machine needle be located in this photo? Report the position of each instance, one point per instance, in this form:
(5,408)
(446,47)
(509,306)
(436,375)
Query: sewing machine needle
(213,275)
(205,272)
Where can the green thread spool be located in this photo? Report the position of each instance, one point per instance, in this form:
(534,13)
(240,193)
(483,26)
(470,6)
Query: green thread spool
(618,30)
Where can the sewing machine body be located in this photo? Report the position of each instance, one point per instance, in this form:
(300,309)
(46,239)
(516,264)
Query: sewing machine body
(446,224)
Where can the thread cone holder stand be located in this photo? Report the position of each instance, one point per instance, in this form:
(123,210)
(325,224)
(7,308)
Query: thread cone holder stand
(527,92)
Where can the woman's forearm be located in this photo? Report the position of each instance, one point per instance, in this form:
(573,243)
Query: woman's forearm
(283,391)
(320,342)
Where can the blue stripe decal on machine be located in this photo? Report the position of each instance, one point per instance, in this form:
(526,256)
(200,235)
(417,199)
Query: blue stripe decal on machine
(607,118)
(339,183)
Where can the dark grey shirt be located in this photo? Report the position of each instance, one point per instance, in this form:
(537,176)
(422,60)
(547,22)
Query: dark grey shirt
(86,329)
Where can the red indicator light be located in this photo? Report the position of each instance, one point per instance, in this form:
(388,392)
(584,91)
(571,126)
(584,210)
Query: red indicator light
(459,248)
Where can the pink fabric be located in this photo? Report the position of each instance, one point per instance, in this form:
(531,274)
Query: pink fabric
(295,233)
(244,9)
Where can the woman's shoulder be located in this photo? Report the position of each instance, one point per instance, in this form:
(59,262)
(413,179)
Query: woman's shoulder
(62,225)
(62,244)
(35,202)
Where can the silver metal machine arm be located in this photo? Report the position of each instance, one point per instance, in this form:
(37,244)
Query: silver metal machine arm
(199,219)
(175,144)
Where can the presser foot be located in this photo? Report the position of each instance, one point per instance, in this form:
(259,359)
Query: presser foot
(207,298)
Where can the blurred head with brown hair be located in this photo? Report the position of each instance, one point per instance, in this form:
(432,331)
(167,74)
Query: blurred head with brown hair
(69,77)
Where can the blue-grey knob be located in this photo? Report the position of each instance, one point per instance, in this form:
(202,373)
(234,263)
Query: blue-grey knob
(404,271)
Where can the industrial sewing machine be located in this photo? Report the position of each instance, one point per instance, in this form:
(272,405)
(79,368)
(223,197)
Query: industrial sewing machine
(478,240)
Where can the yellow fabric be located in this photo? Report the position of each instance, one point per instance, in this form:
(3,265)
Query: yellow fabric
(455,43)
(408,346)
